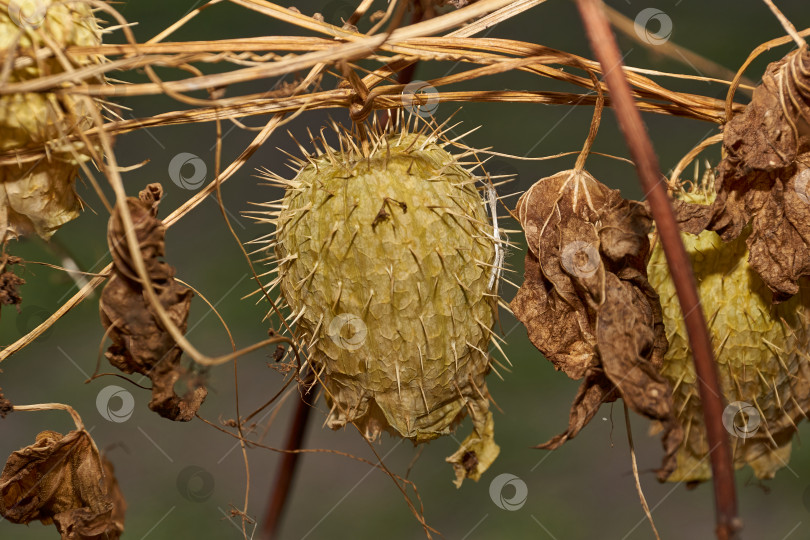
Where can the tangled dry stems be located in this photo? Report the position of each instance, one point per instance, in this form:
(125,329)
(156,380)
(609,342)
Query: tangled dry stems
(394,51)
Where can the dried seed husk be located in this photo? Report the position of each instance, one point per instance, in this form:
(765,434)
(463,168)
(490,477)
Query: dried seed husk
(37,197)
(586,301)
(140,344)
(65,481)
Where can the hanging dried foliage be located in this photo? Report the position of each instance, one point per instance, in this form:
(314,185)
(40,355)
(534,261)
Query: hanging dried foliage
(65,481)
(140,343)
(586,301)
(9,281)
(5,405)
(763,179)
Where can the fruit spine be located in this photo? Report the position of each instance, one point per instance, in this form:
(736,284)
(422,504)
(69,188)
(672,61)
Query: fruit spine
(389,264)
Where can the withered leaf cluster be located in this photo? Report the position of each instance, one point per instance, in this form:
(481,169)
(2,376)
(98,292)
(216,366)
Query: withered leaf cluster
(140,344)
(9,281)
(586,301)
(63,480)
(764,178)
(5,405)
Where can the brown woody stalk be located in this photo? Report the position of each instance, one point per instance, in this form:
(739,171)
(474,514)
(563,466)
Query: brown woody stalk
(289,460)
(606,50)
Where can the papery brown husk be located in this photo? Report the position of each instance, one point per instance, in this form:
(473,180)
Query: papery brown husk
(65,481)
(764,176)
(586,301)
(9,281)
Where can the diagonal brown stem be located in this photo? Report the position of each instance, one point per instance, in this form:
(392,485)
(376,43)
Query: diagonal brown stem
(607,52)
(289,461)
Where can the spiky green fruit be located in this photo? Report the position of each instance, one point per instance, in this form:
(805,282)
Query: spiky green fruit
(37,194)
(761,350)
(387,262)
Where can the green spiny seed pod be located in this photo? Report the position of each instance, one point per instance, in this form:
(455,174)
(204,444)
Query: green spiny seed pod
(37,194)
(760,350)
(388,262)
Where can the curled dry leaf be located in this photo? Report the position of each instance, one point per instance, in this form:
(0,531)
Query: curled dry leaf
(5,405)
(140,343)
(9,281)
(763,179)
(65,481)
(586,301)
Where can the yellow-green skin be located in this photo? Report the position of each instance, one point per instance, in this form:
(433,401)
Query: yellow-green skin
(38,197)
(400,240)
(761,360)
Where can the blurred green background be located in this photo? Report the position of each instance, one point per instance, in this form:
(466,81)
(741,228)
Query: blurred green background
(183,480)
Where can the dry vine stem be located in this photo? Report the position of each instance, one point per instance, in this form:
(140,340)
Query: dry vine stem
(604,45)
(77,420)
(451,48)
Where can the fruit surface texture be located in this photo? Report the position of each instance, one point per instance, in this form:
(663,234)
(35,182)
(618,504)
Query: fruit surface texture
(386,262)
(761,350)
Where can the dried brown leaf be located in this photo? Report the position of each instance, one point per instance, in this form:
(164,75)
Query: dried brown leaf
(762,181)
(628,330)
(595,390)
(9,281)
(6,406)
(140,343)
(773,129)
(586,301)
(63,480)
(555,326)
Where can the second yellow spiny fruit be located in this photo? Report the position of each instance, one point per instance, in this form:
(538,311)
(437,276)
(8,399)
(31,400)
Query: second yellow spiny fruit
(761,350)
